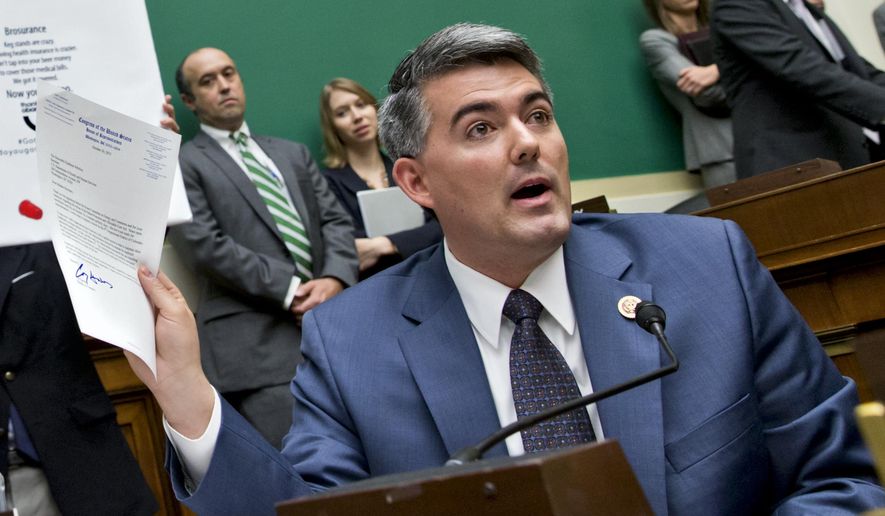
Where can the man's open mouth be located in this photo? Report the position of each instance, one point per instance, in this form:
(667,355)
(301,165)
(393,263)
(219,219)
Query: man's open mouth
(527,192)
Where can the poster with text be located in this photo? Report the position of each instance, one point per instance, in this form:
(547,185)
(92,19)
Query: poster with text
(100,50)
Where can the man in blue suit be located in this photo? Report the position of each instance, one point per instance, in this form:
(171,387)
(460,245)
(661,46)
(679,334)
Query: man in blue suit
(410,366)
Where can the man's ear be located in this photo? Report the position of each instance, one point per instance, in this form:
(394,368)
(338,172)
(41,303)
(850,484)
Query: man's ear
(409,176)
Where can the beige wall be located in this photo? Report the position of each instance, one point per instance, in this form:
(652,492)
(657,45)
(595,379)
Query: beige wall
(639,193)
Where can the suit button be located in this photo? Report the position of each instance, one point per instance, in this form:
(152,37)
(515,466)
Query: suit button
(9,376)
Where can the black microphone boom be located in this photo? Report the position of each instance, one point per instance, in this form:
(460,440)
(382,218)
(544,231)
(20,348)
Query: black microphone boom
(651,318)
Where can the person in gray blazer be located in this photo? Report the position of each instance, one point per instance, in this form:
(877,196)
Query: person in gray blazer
(797,88)
(268,239)
(693,90)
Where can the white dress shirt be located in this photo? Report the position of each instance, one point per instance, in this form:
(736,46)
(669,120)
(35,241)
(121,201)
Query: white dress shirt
(484,299)
(223,138)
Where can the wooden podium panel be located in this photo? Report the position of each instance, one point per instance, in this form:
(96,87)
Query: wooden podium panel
(598,204)
(824,242)
(786,176)
(593,479)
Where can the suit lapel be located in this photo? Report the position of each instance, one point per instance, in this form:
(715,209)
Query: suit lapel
(296,182)
(442,354)
(290,176)
(618,350)
(852,62)
(10,260)
(350,180)
(798,26)
(235,174)
(444,359)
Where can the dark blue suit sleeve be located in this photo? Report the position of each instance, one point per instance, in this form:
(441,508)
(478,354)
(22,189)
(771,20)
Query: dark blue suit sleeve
(246,475)
(818,460)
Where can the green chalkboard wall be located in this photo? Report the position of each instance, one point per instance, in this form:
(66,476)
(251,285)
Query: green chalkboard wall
(614,119)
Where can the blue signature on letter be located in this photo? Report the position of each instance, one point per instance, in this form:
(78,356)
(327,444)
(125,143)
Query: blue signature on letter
(86,278)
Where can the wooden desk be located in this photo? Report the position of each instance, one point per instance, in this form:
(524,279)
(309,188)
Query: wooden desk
(824,242)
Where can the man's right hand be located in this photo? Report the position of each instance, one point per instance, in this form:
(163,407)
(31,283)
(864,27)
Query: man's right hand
(181,388)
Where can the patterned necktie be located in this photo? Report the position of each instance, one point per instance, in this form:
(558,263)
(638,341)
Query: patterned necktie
(273,193)
(540,378)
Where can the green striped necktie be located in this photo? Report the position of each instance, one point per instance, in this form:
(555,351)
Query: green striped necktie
(273,192)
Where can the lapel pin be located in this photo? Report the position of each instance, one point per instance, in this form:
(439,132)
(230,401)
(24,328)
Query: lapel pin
(627,306)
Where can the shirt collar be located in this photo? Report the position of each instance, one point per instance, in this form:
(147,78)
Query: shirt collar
(222,136)
(484,297)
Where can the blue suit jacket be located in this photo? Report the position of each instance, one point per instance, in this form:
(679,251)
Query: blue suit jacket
(756,417)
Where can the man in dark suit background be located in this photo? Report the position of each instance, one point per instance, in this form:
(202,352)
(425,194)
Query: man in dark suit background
(797,87)
(268,239)
(71,430)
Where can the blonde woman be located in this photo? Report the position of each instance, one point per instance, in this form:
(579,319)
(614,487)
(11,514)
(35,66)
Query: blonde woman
(354,162)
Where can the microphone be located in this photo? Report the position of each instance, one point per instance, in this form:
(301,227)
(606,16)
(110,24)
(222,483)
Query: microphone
(651,318)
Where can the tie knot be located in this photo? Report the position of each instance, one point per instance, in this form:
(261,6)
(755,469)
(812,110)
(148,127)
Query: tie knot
(240,137)
(521,305)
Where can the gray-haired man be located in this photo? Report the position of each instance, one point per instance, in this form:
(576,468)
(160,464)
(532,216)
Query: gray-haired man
(438,352)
